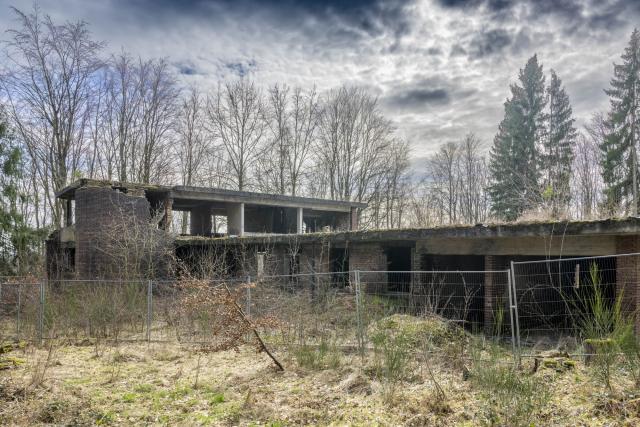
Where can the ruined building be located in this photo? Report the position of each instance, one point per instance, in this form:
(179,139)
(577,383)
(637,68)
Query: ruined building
(283,235)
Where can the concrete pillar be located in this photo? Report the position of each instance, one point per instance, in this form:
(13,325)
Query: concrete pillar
(200,221)
(235,219)
(168,214)
(354,219)
(628,274)
(299,220)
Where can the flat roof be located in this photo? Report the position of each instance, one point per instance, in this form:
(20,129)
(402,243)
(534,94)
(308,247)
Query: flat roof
(611,226)
(185,196)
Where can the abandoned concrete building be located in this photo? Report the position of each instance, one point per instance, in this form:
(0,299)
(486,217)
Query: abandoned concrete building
(283,235)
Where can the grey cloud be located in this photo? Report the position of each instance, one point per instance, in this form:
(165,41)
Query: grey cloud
(241,68)
(489,42)
(493,5)
(425,92)
(187,68)
(418,98)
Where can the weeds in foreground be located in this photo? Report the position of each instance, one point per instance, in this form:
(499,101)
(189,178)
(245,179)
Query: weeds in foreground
(41,365)
(511,397)
(392,357)
(606,331)
(326,355)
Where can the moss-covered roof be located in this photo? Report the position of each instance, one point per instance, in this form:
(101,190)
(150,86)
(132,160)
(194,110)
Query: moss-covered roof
(611,226)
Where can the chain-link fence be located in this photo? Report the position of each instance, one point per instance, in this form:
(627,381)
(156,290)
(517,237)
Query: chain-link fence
(534,305)
(561,302)
(337,309)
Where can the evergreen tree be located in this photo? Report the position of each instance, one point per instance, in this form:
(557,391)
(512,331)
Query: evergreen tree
(620,158)
(18,241)
(557,155)
(514,163)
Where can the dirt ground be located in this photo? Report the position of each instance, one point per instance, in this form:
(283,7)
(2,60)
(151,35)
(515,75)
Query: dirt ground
(167,384)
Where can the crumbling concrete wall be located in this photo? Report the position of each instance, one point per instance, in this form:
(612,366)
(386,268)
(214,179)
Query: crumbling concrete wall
(100,211)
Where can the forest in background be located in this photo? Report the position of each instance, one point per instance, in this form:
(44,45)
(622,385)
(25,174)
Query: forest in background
(69,110)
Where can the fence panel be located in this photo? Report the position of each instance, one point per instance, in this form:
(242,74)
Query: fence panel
(308,309)
(334,309)
(95,309)
(558,299)
(19,309)
(174,318)
(476,300)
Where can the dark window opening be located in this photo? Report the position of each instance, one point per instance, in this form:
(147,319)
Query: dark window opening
(451,262)
(68,260)
(339,265)
(398,267)
(555,296)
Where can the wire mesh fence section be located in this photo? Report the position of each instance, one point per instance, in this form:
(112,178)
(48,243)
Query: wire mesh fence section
(308,309)
(330,309)
(475,300)
(19,313)
(559,299)
(94,309)
(175,315)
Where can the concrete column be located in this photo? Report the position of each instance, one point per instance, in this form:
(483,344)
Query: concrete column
(299,220)
(354,219)
(235,219)
(168,214)
(200,221)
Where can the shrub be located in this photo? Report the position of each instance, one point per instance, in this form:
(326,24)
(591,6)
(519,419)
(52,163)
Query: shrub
(512,398)
(392,352)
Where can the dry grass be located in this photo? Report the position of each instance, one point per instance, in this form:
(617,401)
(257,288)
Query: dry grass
(163,384)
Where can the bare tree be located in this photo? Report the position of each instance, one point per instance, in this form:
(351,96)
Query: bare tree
(292,118)
(474,200)
(50,85)
(390,196)
(586,182)
(353,139)
(122,116)
(158,96)
(193,147)
(444,168)
(236,117)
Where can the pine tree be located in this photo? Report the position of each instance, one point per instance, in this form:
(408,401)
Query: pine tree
(18,240)
(620,158)
(557,155)
(514,156)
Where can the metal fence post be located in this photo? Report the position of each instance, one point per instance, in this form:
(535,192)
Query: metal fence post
(511,314)
(515,309)
(360,335)
(149,308)
(41,312)
(18,313)
(248,298)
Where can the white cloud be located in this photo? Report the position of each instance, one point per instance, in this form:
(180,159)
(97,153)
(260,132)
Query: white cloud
(452,66)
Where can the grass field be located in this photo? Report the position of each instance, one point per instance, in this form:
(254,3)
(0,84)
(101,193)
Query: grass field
(395,383)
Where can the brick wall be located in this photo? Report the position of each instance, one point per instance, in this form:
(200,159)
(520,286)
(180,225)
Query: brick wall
(369,257)
(628,273)
(98,211)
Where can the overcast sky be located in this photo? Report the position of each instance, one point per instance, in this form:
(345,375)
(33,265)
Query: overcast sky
(441,68)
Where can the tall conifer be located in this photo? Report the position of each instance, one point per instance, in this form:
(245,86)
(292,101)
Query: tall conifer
(514,162)
(620,145)
(557,154)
